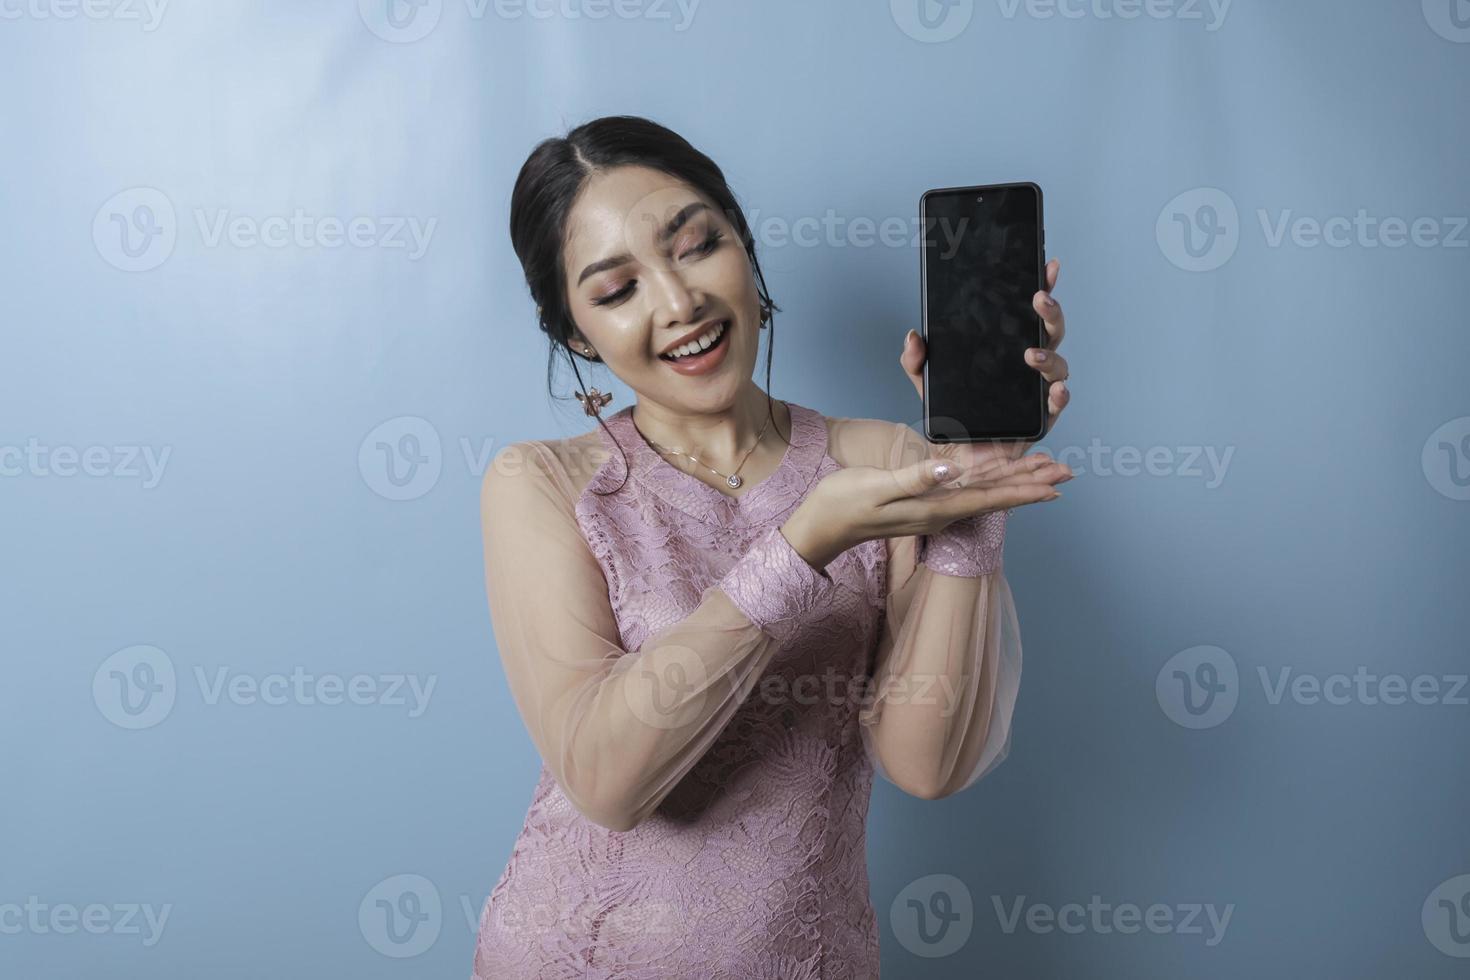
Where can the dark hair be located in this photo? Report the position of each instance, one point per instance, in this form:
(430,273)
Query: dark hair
(548,184)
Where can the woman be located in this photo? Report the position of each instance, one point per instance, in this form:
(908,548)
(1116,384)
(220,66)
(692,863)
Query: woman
(720,614)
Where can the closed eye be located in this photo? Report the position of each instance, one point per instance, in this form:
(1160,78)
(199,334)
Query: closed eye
(705,248)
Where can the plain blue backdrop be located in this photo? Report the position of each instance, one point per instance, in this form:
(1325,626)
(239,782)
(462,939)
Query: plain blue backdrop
(261,329)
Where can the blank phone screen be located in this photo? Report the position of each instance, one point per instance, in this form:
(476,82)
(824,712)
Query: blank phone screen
(981,267)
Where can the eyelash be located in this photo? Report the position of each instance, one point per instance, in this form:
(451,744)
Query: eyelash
(705,248)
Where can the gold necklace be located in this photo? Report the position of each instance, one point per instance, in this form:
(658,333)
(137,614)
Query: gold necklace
(732,480)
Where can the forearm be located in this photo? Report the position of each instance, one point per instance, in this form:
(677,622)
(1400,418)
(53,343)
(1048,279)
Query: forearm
(936,707)
(938,688)
(633,732)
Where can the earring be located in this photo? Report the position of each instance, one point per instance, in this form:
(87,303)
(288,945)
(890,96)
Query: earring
(765,315)
(593,401)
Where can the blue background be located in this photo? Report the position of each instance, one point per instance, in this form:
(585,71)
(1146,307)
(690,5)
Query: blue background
(275,540)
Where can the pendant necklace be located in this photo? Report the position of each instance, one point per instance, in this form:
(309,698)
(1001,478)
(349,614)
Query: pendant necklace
(732,480)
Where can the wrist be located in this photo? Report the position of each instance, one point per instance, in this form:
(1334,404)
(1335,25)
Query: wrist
(810,538)
(969,547)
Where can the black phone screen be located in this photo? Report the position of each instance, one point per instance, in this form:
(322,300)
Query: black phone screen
(981,261)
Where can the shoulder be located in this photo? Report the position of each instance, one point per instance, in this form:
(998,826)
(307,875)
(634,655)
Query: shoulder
(562,467)
(873,442)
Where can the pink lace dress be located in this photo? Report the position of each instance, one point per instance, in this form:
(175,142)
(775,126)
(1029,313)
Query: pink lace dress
(711,709)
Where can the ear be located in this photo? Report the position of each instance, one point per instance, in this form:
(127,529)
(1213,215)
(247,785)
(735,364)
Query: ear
(579,344)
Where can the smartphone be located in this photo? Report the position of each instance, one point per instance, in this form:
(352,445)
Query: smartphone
(981,262)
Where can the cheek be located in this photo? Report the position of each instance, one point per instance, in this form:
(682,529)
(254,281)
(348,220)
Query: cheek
(626,338)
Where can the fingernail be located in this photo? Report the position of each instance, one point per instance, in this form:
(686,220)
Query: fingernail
(1050,302)
(1040,356)
(941,471)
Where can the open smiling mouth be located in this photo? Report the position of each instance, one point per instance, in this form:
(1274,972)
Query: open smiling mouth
(696,358)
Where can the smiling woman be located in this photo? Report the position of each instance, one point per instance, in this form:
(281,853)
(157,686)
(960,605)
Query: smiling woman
(669,589)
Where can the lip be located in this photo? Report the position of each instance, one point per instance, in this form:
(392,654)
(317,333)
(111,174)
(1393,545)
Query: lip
(693,335)
(709,361)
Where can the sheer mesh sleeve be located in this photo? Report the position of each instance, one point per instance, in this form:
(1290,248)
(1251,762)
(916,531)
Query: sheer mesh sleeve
(948,664)
(619,728)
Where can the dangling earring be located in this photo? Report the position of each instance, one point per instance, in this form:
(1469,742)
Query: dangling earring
(593,401)
(765,314)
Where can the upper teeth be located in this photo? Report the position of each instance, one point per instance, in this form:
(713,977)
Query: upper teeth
(703,343)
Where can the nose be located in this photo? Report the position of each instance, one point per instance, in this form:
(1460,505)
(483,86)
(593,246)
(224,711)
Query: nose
(677,303)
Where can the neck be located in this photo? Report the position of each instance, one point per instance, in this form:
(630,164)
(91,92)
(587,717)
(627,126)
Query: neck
(718,438)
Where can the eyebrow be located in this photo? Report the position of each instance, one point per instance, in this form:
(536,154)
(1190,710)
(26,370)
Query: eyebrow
(678,221)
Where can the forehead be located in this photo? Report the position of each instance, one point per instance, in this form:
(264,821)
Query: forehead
(620,210)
